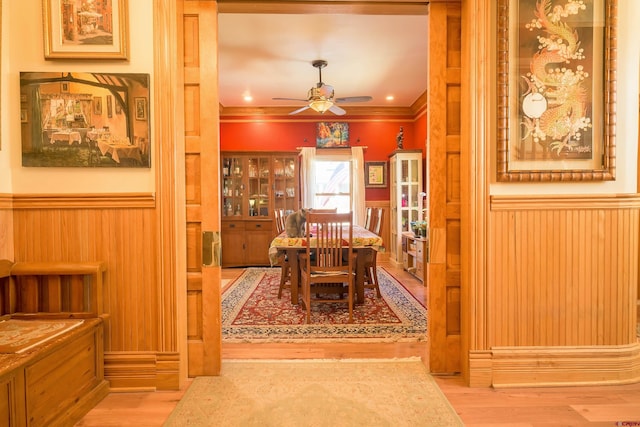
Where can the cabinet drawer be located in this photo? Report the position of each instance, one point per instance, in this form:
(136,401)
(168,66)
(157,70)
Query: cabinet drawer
(257,226)
(419,270)
(232,225)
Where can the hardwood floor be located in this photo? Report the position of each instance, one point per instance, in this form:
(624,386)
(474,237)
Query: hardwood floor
(478,407)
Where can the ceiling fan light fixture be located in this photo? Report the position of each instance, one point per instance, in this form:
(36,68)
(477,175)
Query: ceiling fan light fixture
(320,98)
(320,105)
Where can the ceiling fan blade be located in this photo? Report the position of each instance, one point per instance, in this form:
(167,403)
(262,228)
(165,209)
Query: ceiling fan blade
(354,99)
(289,99)
(299,110)
(337,110)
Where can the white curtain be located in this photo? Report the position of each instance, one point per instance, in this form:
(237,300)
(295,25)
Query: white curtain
(357,182)
(307,174)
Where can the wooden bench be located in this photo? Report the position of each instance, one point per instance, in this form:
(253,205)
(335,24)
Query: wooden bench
(60,377)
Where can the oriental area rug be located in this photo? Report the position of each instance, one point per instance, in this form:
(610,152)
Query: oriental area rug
(283,393)
(252,313)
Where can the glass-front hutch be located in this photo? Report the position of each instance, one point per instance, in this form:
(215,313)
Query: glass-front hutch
(405,172)
(253,186)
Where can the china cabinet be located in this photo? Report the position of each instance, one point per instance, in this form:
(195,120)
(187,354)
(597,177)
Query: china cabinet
(405,175)
(254,184)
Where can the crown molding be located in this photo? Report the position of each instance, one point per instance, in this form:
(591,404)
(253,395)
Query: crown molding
(270,113)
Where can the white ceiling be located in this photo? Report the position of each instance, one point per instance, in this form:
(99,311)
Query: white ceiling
(270,55)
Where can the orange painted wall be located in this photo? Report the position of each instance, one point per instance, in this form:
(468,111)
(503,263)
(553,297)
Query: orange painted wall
(379,136)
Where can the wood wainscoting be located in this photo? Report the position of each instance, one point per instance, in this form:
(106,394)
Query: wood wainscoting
(6,226)
(560,292)
(120,229)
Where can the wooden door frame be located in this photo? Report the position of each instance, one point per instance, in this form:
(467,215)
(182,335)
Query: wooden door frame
(169,130)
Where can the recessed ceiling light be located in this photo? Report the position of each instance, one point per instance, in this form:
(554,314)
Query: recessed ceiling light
(390,98)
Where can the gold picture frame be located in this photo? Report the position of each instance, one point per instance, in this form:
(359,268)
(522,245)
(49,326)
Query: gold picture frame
(556,78)
(375,174)
(71,33)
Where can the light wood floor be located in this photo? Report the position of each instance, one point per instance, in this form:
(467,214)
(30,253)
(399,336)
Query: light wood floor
(478,407)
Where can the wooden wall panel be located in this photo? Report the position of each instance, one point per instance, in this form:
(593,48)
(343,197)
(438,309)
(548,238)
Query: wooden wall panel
(562,275)
(194,247)
(124,237)
(192,111)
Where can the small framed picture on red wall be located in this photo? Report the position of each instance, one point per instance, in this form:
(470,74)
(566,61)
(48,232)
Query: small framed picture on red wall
(375,174)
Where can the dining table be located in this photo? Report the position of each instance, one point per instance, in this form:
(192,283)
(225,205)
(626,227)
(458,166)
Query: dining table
(363,241)
(66,136)
(119,149)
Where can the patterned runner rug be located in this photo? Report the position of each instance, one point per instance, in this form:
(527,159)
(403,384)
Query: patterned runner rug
(252,312)
(350,392)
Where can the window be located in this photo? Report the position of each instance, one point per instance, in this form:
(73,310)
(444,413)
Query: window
(333,179)
(333,185)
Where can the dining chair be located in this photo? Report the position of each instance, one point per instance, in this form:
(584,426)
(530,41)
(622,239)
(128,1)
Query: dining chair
(328,263)
(331,210)
(95,155)
(371,256)
(283,261)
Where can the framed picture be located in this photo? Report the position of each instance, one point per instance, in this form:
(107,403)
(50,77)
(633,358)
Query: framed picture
(97,105)
(72,129)
(141,108)
(85,30)
(332,135)
(556,90)
(375,174)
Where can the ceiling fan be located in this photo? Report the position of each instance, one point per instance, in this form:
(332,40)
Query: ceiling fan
(321,97)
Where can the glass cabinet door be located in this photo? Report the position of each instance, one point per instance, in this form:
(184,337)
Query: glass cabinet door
(258,200)
(409,192)
(285,184)
(232,186)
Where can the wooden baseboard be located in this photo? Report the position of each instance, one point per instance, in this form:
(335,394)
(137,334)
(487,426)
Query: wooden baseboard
(555,366)
(85,404)
(141,371)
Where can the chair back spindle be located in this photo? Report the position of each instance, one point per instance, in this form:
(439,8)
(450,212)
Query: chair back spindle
(367,218)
